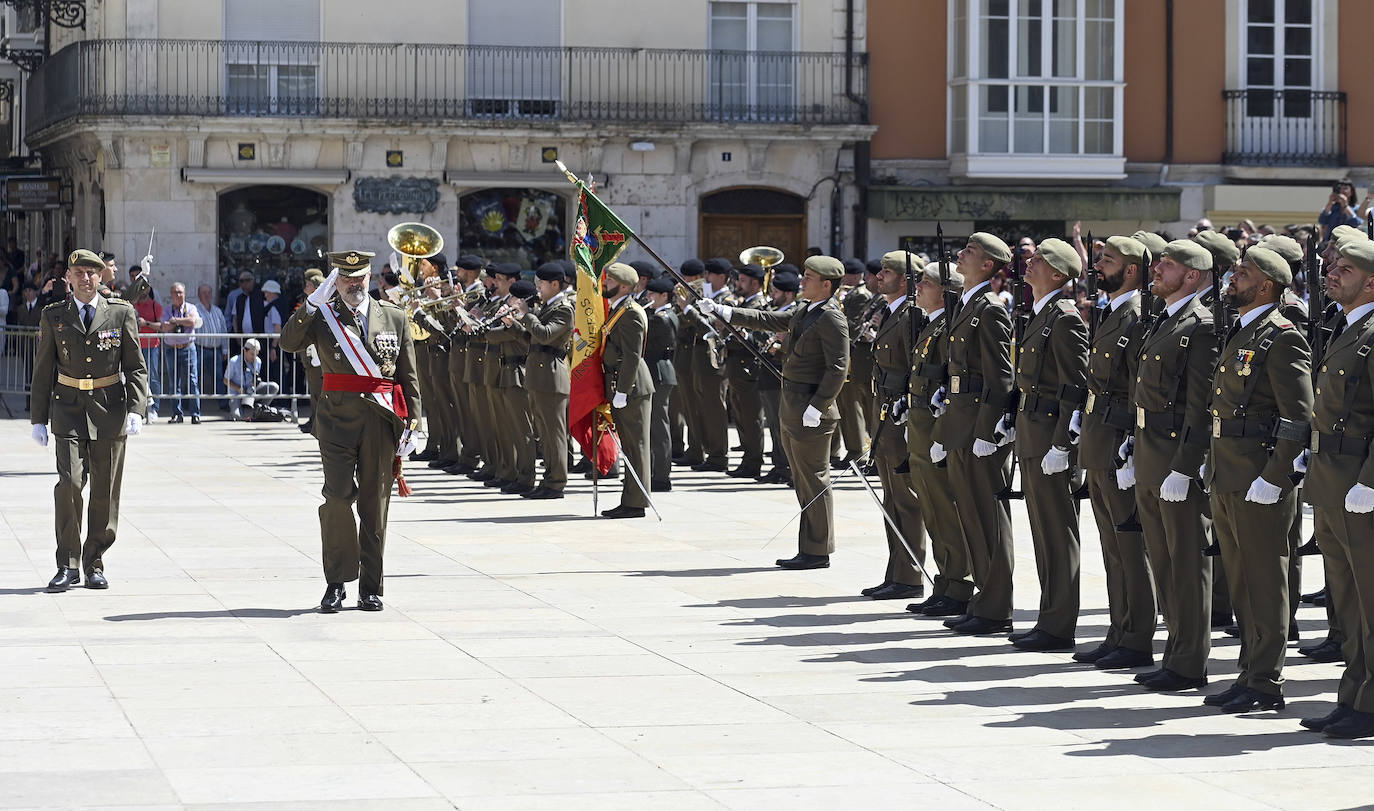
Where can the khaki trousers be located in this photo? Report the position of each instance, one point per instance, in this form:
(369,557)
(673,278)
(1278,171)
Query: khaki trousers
(1130,594)
(1174,540)
(986,520)
(1254,550)
(357,469)
(101,463)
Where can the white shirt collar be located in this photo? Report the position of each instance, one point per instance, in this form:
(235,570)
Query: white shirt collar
(1358,313)
(1042,301)
(554,300)
(1123,298)
(968,294)
(95,302)
(1249,318)
(893,305)
(1180,304)
(663,307)
(934,314)
(616,303)
(813,305)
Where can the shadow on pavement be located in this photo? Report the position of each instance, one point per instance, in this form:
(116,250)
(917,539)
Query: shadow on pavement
(229,613)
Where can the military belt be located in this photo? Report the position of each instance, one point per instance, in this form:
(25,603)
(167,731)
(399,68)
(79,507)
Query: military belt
(1340,443)
(87,383)
(931,371)
(1040,404)
(1241,429)
(965,384)
(1111,409)
(804,388)
(514,360)
(1170,422)
(557,351)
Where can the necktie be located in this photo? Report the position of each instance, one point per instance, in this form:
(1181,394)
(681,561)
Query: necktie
(87,313)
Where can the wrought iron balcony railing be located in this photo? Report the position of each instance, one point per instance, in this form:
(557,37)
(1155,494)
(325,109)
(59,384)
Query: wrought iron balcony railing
(137,77)
(1285,127)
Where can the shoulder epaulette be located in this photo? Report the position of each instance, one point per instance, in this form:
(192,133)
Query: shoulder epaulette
(1065,305)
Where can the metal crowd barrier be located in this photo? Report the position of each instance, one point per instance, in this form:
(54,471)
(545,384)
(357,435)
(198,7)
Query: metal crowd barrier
(168,369)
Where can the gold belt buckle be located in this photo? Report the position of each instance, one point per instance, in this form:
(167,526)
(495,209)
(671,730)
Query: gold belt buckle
(1139,417)
(954,384)
(1092,400)
(1216,427)
(86,384)
(1316,441)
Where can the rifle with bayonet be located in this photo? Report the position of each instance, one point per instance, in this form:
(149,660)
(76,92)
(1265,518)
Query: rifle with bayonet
(1020,316)
(1094,319)
(1317,336)
(1220,326)
(1146,322)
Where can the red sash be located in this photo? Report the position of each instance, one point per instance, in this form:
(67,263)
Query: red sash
(368,385)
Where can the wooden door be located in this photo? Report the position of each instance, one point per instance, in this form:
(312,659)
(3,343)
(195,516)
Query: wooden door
(728,234)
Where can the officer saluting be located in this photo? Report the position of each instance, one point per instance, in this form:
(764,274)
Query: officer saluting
(369,397)
(90,381)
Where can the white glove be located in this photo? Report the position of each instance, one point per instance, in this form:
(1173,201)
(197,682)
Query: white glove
(619,400)
(40,435)
(1125,451)
(1360,499)
(937,402)
(409,438)
(1300,462)
(324,292)
(898,411)
(981,448)
(709,307)
(1262,492)
(1005,432)
(1125,475)
(1202,472)
(1056,460)
(811,417)
(937,452)
(1075,426)
(134,425)
(1175,487)
(148,263)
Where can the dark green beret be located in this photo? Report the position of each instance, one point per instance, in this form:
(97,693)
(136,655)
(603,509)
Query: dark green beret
(827,267)
(1189,254)
(1224,250)
(82,258)
(1270,264)
(1132,249)
(896,260)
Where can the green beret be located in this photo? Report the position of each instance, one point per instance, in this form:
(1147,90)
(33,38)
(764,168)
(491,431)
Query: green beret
(1342,232)
(992,245)
(896,260)
(1224,251)
(1270,264)
(1061,256)
(827,267)
(622,273)
(314,275)
(351,264)
(1153,242)
(1360,253)
(931,273)
(1189,254)
(1287,247)
(1130,248)
(82,258)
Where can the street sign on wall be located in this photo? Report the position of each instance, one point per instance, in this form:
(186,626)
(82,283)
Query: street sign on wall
(33,193)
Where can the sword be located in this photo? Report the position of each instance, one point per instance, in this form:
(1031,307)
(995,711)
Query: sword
(635,474)
(892,524)
(833,481)
(149,256)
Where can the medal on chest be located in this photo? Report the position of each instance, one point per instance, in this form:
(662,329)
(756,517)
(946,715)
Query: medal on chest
(1243,357)
(388,347)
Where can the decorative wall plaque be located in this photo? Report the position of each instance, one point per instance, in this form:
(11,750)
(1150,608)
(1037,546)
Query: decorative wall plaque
(396,195)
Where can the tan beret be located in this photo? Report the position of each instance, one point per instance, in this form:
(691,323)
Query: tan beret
(622,273)
(1343,232)
(1153,242)
(82,258)
(1189,254)
(1284,246)
(827,267)
(1360,253)
(1224,251)
(314,275)
(931,273)
(1061,256)
(1130,248)
(1270,264)
(896,260)
(992,245)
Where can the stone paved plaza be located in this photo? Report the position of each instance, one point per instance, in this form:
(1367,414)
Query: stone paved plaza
(532,657)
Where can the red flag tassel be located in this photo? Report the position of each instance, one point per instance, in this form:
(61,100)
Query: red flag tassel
(402,489)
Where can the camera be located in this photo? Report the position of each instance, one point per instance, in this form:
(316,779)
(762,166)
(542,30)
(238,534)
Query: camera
(1338,187)
(1234,233)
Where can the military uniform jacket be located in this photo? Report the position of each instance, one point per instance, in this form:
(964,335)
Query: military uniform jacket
(818,353)
(1172,385)
(1263,387)
(1109,414)
(490,364)
(856,303)
(549,330)
(777,348)
(892,353)
(341,414)
(513,347)
(109,347)
(980,373)
(1343,418)
(740,363)
(701,347)
(475,351)
(622,351)
(1051,375)
(928,373)
(660,345)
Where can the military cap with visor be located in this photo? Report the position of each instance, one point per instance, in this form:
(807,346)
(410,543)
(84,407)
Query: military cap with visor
(351,264)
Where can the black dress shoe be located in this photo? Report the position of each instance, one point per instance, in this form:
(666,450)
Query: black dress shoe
(1019,635)
(95,579)
(495,481)
(541,493)
(613,473)
(711,467)
(660,486)
(426,455)
(805,561)
(1225,696)
(1169,682)
(1355,724)
(743,472)
(899,591)
(979,626)
(369,602)
(66,577)
(1311,599)
(438,464)
(306,427)
(1232,630)
(623,512)
(517,489)
(482,474)
(1221,619)
(945,606)
(1252,700)
(1320,724)
(458,469)
(195,420)
(1122,658)
(1328,651)
(871,589)
(333,598)
(1043,641)
(841,464)
(777,476)
(959,619)
(585,466)
(917,608)
(1150,675)
(1088,657)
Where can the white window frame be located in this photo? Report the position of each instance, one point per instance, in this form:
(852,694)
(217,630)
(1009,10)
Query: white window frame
(751,46)
(966,159)
(273,103)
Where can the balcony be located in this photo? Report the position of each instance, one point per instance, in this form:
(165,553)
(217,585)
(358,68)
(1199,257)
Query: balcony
(449,83)
(1285,128)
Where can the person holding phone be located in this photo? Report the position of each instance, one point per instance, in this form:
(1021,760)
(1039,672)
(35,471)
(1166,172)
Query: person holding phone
(1340,208)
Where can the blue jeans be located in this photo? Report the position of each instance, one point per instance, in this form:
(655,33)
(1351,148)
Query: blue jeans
(152,357)
(184,378)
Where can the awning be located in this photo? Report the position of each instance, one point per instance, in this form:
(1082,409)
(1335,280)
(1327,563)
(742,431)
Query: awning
(268,177)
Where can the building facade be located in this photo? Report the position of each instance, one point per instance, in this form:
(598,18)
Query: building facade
(256,134)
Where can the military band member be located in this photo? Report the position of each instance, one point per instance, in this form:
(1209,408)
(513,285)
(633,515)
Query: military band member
(709,371)
(1260,407)
(1340,485)
(689,334)
(370,392)
(813,374)
(496,378)
(783,299)
(929,373)
(90,382)
(475,376)
(1051,376)
(440,397)
(548,328)
(1171,435)
(742,375)
(628,385)
(902,579)
(976,433)
(1105,421)
(857,303)
(659,346)
(467,284)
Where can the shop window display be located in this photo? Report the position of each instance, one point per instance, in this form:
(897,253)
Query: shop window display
(524,226)
(274,232)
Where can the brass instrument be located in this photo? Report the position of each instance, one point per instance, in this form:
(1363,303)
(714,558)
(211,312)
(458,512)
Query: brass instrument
(414,241)
(765,256)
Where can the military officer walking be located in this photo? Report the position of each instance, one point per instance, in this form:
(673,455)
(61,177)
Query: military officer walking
(628,386)
(90,382)
(369,397)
